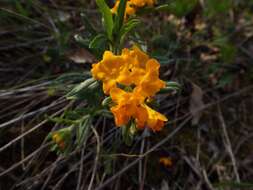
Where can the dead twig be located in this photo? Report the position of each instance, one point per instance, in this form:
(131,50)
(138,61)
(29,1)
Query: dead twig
(96,159)
(227,143)
(24,160)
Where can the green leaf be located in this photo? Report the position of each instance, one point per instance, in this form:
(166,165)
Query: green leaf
(63,121)
(128,132)
(128,27)
(83,42)
(163,60)
(104,112)
(171,86)
(108,164)
(73,77)
(88,24)
(215,7)
(164,7)
(232,184)
(90,90)
(53,148)
(83,130)
(120,17)
(80,89)
(179,8)
(228,50)
(107,101)
(98,42)
(226,79)
(21,9)
(107,17)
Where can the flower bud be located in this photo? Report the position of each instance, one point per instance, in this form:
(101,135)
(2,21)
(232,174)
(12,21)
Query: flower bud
(107,101)
(170,87)
(62,137)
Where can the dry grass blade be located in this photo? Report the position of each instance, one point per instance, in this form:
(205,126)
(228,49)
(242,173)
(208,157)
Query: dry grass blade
(228,144)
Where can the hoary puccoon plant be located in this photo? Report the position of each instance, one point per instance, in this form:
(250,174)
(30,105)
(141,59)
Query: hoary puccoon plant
(123,84)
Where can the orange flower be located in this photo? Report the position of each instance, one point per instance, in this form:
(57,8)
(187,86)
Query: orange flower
(128,105)
(135,63)
(150,83)
(130,10)
(142,3)
(166,161)
(132,6)
(131,105)
(131,79)
(108,70)
(131,67)
(57,138)
(142,72)
(62,137)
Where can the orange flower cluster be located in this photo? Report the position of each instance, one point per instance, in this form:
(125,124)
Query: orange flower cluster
(133,5)
(131,79)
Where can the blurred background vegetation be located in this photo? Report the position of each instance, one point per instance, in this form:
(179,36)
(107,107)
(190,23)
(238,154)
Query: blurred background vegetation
(205,45)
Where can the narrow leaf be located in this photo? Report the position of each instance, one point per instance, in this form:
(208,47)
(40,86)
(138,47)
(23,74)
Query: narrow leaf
(128,27)
(98,42)
(107,17)
(119,18)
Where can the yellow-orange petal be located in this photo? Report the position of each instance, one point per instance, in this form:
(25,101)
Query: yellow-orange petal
(138,3)
(108,85)
(117,94)
(115,7)
(120,114)
(150,83)
(141,116)
(141,57)
(150,2)
(155,119)
(130,10)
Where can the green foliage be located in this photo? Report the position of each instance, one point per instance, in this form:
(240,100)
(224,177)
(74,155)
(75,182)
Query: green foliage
(107,17)
(128,27)
(170,87)
(228,52)
(81,41)
(232,184)
(116,27)
(227,49)
(99,44)
(107,101)
(64,135)
(71,77)
(119,18)
(89,90)
(80,90)
(65,82)
(179,8)
(128,132)
(83,130)
(215,7)
(23,10)
(88,25)
(226,79)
